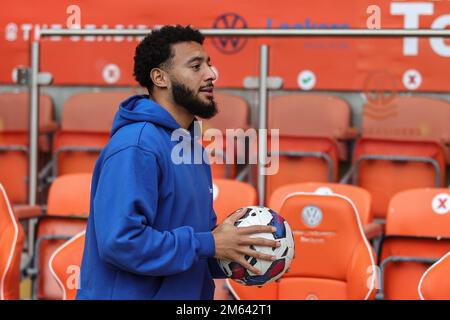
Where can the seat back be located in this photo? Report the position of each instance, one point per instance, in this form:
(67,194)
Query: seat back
(69,195)
(333,258)
(14,118)
(422,165)
(14,111)
(303,159)
(417,233)
(67,212)
(71,159)
(435,282)
(11,243)
(233,114)
(81,131)
(309,126)
(309,115)
(100,106)
(230,195)
(411,118)
(65,265)
(360,197)
(14,173)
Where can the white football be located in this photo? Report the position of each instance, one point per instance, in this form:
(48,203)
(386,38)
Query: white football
(271,270)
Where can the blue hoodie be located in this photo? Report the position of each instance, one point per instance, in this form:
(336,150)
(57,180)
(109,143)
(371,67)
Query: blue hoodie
(149,229)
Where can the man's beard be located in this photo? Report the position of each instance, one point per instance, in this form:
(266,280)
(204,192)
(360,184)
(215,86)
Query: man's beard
(184,97)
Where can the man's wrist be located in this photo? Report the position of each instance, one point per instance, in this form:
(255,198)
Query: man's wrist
(206,244)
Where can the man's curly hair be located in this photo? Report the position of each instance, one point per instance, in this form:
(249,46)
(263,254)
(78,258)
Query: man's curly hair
(155,50)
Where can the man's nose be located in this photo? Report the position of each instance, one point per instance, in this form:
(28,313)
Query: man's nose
(211,74)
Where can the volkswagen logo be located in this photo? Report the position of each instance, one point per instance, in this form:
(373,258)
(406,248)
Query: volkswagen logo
(312,216)
(229,44)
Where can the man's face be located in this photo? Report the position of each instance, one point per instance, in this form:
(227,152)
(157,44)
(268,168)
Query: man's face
(191,79)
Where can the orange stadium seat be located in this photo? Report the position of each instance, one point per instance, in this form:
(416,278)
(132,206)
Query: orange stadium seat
(14,118)
(312,129)
(333,258)
(412,118)
(417,234)
(435,282)
(402,150)
(385,167)
(65,265)
(11,243)
(67,212)
(233,114)
(86,122)
(230,195)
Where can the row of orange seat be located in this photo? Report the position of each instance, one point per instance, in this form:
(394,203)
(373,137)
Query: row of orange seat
(70,146)
(333,258)
(406,149)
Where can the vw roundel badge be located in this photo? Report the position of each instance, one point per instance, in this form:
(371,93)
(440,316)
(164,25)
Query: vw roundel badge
(312,216)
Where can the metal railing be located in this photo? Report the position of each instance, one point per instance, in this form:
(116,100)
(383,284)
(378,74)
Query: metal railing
(261,32)
(264,52)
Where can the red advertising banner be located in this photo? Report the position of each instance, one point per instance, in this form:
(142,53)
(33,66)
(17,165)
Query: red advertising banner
(421,64)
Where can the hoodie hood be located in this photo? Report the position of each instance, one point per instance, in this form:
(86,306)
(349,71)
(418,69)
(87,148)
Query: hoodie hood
(139,108)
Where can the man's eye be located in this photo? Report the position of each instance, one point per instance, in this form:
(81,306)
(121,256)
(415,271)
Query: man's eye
(196,67)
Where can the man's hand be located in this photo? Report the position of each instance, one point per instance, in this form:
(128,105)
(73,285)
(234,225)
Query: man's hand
(233,243)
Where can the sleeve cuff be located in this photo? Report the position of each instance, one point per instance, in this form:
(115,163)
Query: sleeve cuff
(215,270)
(206,244)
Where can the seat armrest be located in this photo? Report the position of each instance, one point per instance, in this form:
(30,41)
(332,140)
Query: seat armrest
(349,134)
(23,211)
(48,127)
(373,230)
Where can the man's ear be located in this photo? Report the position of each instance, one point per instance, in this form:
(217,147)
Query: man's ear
(159,77)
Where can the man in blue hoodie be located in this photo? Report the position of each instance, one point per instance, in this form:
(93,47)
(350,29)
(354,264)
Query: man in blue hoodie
(152,230)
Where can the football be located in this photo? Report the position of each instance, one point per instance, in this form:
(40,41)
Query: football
(271,270)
